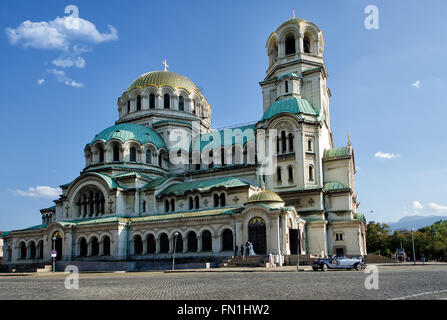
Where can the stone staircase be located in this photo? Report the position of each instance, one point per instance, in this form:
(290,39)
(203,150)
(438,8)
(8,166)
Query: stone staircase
(249,261)
(374,258)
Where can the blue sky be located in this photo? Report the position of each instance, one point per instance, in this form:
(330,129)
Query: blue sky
(388,88)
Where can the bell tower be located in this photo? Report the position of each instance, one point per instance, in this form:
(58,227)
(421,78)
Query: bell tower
(296,66)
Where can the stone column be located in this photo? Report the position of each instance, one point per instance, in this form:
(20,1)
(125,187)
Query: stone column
(217,243)
(144,245)
(68,245)
(122,238)
(299,43)
(137,203)
(171,244)
(157,245)
(199,244)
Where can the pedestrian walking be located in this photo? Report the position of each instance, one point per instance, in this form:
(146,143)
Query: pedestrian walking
(242,251)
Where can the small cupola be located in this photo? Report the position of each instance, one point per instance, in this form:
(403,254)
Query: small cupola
(289,84)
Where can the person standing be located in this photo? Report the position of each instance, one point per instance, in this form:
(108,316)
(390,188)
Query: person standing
(242,251)
(236,249)
(271,259)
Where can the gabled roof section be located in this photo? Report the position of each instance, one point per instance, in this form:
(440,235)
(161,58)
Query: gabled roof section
(336,153)
(203,185)
(157,183)
(335,186)
(242,134)
(292,105)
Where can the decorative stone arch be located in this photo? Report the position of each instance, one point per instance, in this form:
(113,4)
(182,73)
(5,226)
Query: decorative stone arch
(22,249)
(75,189)
(195,104)
(146,94)
(191,247)
(272,48)
(96,152)
(110,146)
(311,31)
(153,149)
(138,150)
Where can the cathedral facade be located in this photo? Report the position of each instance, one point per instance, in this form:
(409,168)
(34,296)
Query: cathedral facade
(161,181)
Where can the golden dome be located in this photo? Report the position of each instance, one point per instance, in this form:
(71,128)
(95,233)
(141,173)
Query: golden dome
(264,196)
(160,79)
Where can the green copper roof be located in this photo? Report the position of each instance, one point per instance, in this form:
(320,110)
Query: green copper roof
(225,138)
(156,183)
(292,105)
(333,186)
(204,185)
(264,196)
(336,153)
(160,79)
(360,217)
(290,74)
(130,131)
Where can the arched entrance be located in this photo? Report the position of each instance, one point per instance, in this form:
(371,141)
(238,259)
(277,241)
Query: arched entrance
(57,244)
(257,235)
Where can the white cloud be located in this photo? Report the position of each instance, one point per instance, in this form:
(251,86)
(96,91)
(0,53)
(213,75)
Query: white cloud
(437,207)
(417,205)
(385,155)
(416,84)
(60,33)
(68,62)
(40,81)
(40,192)
(62,77)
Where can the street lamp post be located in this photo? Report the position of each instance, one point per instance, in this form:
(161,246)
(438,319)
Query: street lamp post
(54,259)
(175,245)
(412,240)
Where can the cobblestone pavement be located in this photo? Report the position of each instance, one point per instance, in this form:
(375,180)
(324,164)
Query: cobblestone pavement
(395,282)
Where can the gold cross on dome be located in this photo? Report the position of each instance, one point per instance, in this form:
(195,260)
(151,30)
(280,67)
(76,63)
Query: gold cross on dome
(166,64)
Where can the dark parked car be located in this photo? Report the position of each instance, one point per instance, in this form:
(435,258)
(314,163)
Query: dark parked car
(325,264)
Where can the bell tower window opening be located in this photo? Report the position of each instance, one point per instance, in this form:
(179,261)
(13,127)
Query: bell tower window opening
(306,44)
(286,86)
(311,173)
(283,142)
(290,44)
(181,103)
(278,175)
(309,145)
(138,103)
(290,142)
(101,154)
(116,153)
(290,169)
(152,101)
(167,101)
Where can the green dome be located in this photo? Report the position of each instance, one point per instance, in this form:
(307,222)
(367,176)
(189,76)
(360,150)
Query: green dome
(264,196)
(130,131)
(291,105)
(160,79)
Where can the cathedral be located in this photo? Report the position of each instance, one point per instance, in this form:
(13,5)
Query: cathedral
(162,182)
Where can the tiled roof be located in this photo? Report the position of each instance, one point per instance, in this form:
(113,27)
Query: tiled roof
(333,186)
(204,185)
(336,153)
(291,105)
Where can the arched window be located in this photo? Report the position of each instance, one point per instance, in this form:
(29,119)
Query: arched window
(172,204)
(192,242)
(106,246)
(116,153)
(138,103)
(222,199)
(290,44)
(166,205)
(306,44)
(83,247)
(283,142)
(290,174)
(311,173)
(227,240)
(95,246)
(181,103)
(164,243)
(151,246)
(216,200)
(133,154)
(148,156)
(193,107)
(32,248)
(101,154)
(278,174)
(138,244)
(211,164)
(144,206)
(191,203)
(287,86)
(290,142)
(309,145)
(196,202)
(23,250)
(152,101)
(222,157)
(167,101)
(128,106)
(207,242)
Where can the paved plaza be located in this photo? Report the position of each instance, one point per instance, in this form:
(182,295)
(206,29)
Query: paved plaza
(395,282)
